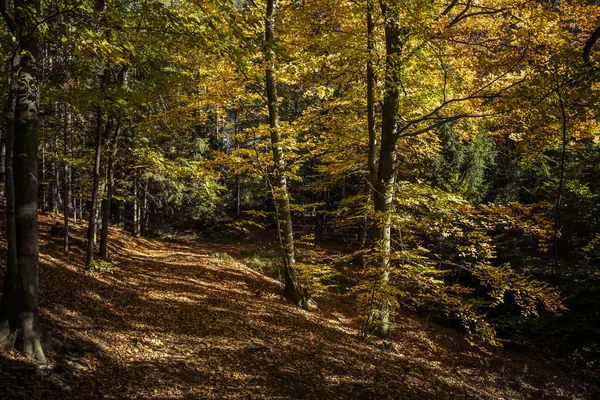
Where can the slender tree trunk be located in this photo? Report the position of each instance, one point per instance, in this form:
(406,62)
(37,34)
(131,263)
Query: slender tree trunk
(144,211)
(81,209)
(20,302)
(372,156)
(44,204)
(75,210)
(372,160)
(67,180)
(91,234)
(293,290)
(54,185)
(238,208)
(562,175)
(112,155)
(119,213)
(384,190)
(238,204)
(98,217)
(136,217)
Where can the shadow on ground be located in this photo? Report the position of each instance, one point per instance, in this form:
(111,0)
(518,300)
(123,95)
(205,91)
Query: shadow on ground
(175,322)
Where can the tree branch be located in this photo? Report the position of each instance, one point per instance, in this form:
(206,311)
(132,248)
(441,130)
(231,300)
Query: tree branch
(589,44)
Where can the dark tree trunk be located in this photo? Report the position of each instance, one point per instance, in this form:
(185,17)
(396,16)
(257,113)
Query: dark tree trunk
(372,156)
(54,184)
(20,300)
(92,222)
(9,313)
(119,213)
(3,156)
(81,209)
(293,290)
(67,180)
(112,155)
(44,189)
(144,211)
(238,203)
(91,234)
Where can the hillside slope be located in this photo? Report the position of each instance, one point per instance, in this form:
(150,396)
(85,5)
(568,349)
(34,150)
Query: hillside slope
(186,319)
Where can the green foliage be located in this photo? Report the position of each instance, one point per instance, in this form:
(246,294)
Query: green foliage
(267,260)
(445,259)
(104,266)
(222,256)
(463,167)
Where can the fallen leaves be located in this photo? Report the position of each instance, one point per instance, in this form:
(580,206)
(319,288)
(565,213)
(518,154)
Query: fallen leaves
(175,322)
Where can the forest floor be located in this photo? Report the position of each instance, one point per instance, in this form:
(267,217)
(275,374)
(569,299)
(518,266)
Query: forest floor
(188,319)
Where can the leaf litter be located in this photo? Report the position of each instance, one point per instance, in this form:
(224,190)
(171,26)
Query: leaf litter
(177,320)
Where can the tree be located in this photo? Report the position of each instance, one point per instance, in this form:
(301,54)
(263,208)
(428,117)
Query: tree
(293,290)
(19,309)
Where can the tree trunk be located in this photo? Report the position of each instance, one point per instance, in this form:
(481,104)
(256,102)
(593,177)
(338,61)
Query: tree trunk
(384,193)
(44,177)
(293,290)
(67,180)
(112,155)
(3,152)
(238,203)
(54,184)
(136,217)
(75,210)
(372,155)
(144,211)
(9,313)
(20,300)
(91,234)
(81,209)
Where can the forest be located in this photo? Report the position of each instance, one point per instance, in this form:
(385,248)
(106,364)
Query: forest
(300,199)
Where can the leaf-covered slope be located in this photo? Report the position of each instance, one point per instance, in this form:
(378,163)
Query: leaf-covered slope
(185,319)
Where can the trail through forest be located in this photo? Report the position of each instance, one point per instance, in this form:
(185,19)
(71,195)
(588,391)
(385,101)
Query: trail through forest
(188,319)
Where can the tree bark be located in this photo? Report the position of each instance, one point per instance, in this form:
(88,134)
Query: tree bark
(144,211)
(54,184)
(119,213)
(20,302)
(292,290)
(372,155)
(91,233)
(136,217)
(9,313)
(3,153)
(112,155)
(384,190)
(66,180)
(75,210)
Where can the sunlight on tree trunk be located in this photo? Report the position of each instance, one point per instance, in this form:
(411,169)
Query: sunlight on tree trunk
(293,290)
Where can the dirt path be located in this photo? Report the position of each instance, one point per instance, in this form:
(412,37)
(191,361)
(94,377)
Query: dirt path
(183,319)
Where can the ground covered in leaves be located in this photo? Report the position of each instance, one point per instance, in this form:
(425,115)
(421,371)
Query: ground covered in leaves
(188,319)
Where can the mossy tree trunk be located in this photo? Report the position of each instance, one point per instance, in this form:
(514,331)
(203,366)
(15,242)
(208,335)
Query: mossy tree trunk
(293,289)
(384,190)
